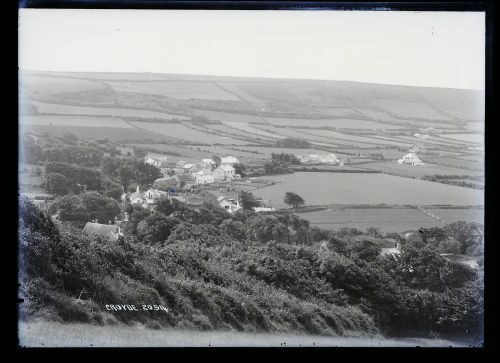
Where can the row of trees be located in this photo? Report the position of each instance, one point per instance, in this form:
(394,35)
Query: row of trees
(248,200)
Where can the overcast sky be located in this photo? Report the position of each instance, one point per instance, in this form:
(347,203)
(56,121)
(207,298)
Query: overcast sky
(436,49)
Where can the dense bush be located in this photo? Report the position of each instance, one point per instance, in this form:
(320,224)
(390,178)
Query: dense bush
(244,271)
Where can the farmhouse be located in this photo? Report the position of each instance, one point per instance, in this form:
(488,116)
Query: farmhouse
(153,194)
(231,205)
(394,252)
(164,184)
(264,206)
(148,159)
(188,167)
(411,159)
(224,173)
(109,231)
(136,197)
(204,177)
(327,158)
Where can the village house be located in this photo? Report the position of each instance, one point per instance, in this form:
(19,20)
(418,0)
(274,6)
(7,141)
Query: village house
(326,158)
(110,231)
(153,194)
(411,159)
(204,177)
(394,252)
(231,205)
(224,173)
(136,197)
(188,168)
(178,171)
(167,183)
(264,206)
(148,159)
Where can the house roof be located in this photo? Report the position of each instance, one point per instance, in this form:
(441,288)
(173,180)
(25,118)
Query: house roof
(204,172)
(101,229)
(188,166)
(135,195)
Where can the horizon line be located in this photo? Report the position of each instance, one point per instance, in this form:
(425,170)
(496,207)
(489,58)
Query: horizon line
(257,77)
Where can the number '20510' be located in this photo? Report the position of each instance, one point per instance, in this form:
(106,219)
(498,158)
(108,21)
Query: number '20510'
(154,307)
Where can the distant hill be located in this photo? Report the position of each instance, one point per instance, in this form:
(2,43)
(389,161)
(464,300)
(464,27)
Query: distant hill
(181,94)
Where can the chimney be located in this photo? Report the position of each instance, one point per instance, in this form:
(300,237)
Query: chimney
(137,189)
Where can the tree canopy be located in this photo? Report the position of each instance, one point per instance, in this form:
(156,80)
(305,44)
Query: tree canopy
(293,199)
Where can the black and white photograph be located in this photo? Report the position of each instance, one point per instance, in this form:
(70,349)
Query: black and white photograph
(251,178)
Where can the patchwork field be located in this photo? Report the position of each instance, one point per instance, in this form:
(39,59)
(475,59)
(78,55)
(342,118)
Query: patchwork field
(116,134)
(187,134)
(253,130)
(54,108)
(393,168)
(390,219)
(228,116)
(474,138)
(175,89)
(342,123)
(67,120)
(366,140)
(338,188)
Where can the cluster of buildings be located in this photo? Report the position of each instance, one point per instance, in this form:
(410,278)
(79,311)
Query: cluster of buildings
(323,158)
(183,175)
(411,159)
(205,171)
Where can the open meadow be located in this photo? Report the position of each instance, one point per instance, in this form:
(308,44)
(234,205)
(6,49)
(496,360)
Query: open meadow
(339,188)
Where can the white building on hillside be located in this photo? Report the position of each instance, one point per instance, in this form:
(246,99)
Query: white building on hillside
(204,177)
(148,159)
(224,173)
(325,158)
(231,205)
(110,231)
(411,159)
(136,197)
(153,194)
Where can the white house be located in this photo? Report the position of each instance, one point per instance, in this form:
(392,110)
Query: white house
(136,197)
(188,167)
(231,205)
(148,159)
(224,173)
(326,158)
(229,160)
(204,177)
(109,231)
(411,159)
(153,194)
